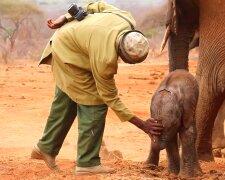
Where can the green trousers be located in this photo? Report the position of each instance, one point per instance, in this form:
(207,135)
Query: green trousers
(91,124)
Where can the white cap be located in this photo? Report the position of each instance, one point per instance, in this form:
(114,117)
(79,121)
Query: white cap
(134,47)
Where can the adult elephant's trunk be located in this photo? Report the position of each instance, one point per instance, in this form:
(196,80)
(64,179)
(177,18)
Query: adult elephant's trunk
(187,13)
(178,46)
(210,73)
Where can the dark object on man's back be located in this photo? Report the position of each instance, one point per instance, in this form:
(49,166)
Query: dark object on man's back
(77,12)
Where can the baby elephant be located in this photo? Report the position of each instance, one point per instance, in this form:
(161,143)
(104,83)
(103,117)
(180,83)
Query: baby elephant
(173,104)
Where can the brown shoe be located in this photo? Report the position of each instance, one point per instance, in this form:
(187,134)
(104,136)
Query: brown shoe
(93,170)
(49,160)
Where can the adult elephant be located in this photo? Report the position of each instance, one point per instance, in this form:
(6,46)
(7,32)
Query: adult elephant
(184,17)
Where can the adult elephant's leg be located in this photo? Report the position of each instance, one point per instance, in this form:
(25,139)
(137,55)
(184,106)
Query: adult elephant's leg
(178,47)
(207,108)
(218,129)
(210,73)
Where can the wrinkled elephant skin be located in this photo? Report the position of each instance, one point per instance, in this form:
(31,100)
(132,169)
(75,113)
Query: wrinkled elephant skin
(210,73)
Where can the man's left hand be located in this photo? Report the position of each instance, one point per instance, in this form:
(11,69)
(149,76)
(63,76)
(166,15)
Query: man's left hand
(56,23)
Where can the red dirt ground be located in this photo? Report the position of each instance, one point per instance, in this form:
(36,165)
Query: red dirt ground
(26,95)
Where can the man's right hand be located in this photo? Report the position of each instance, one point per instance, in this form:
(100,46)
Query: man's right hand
(150,126)
(56,23)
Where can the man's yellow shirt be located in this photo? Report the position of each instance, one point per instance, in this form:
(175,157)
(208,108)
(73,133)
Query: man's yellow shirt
(84,58)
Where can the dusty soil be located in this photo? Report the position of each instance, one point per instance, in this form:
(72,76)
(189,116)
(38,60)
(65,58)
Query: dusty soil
(25,99)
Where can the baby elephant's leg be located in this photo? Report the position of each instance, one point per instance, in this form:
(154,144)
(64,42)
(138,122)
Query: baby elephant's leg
(153,157)
(173,156)
(189,162)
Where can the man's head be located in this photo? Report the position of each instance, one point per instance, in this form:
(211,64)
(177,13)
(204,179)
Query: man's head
(133,47)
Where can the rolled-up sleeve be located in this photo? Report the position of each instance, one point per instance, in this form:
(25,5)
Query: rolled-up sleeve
(96,7)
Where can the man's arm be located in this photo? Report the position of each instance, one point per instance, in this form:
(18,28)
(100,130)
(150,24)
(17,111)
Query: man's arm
(60,21)
(89,8)
(150,126)
(104,66)
(96,7)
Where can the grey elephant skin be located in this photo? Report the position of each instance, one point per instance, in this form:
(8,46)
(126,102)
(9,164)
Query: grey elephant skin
(173,104)
(208,17)
(210,73)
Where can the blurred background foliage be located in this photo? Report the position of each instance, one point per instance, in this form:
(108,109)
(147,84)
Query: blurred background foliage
(24,33)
